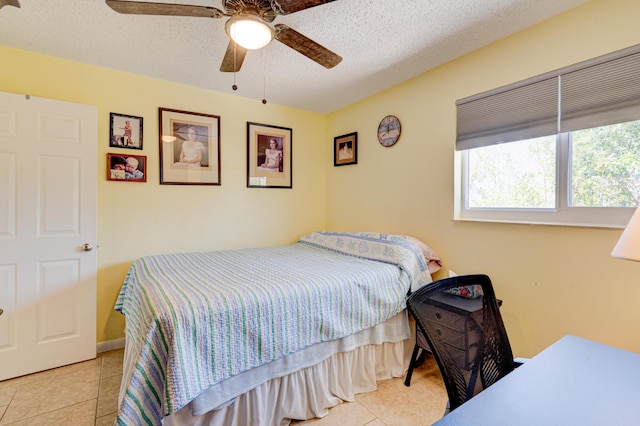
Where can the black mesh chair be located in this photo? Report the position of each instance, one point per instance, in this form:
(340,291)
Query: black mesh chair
(466,335)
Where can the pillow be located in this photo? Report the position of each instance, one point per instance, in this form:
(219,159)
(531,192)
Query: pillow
(432,258)
(468,291)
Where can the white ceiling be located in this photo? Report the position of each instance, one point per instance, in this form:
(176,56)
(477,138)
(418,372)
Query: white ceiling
(382,42)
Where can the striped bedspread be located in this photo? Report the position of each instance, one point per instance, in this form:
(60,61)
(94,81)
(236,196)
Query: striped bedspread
(196,319)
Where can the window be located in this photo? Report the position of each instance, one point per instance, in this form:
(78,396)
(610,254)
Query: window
(605,166)
(562,148)
(514,175)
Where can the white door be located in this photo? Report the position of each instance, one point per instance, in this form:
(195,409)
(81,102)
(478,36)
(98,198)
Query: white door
(48,183)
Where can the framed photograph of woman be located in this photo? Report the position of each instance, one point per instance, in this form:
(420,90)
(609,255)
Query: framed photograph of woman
(189,148)
(129,168)
(269,159)
(125,131)
(345,149)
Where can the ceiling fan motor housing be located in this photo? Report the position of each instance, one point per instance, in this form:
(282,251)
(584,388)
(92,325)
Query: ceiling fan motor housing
(260,7)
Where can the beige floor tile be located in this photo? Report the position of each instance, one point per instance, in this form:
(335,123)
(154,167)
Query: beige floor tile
(58,391)
(6,393)
(345,414)
(376,422)
(420,404)
(86,368)
(2,410)
(112,363)
(108,396)
(107,420)
(9,387)
(82,414)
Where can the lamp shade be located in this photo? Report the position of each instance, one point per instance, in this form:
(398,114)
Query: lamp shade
(628,246)
(249,31)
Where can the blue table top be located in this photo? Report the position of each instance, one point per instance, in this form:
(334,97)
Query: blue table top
(573,382)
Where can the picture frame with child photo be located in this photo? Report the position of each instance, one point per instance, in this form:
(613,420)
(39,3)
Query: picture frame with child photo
(125,131)
(128,168)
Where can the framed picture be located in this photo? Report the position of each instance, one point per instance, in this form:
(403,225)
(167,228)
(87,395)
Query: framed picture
(269,156)
(131,168)
(125,131)
(189,148)
(345,149)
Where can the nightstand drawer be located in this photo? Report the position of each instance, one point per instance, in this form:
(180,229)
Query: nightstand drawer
(449,319)
(464,357)
(460,339)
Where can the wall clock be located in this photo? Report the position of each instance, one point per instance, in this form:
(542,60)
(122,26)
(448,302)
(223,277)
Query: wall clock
(389,130)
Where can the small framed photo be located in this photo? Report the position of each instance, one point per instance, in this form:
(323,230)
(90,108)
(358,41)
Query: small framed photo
(269,159)
(125,131)
(131,168)
(189,148)
(345,149)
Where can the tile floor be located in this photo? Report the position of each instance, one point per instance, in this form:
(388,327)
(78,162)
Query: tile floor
(86,394)
(79,394)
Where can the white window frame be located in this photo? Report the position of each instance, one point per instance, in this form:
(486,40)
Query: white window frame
(563,214)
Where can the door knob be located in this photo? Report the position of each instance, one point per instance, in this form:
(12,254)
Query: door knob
(1,311)
(87,247)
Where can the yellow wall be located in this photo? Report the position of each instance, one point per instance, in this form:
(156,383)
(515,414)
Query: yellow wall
(553,280)
(136,219)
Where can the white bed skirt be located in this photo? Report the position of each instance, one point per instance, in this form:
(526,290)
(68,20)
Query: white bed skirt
(361,360)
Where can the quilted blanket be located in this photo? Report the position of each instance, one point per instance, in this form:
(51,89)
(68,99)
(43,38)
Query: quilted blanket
(195,319)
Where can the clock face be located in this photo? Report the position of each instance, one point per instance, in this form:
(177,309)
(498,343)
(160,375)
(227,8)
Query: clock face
(389,130)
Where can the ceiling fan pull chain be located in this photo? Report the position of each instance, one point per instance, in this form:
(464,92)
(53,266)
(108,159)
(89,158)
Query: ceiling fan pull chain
(264,78)
(234,87)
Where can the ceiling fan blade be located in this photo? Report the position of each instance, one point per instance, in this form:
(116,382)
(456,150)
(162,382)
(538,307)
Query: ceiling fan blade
(306,46)
(283,7)
(233,58)
(9,3)
(146,8)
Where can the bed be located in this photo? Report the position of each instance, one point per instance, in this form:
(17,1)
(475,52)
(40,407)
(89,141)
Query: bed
(261,336)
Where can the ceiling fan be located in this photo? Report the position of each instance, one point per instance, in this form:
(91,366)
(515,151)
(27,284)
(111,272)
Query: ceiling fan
(255,14)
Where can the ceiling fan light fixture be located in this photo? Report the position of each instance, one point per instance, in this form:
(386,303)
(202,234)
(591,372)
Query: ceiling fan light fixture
(249,31)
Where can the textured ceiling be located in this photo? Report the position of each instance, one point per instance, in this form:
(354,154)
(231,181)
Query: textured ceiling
(382,42)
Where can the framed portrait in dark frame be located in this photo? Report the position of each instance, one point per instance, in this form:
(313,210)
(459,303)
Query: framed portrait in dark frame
(189,148)
(345,149)
(269,157)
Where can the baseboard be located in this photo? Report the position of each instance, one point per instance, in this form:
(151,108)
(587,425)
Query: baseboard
(110,345)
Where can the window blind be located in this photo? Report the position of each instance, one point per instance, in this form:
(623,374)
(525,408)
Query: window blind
(522,112)
(598,92)
(601,94)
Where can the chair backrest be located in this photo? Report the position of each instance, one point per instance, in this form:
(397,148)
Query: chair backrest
(466,335)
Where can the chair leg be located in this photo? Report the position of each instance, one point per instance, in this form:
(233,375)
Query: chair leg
(414,357)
